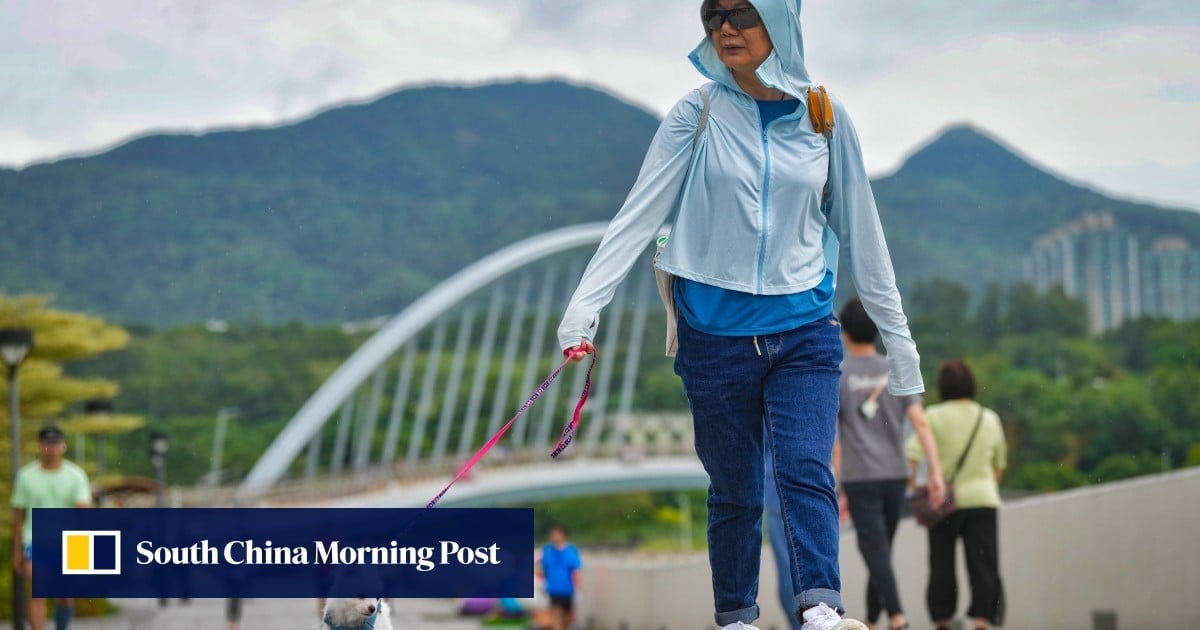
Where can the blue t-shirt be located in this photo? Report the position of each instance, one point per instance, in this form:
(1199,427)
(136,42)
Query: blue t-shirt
(558,567)
(719,311)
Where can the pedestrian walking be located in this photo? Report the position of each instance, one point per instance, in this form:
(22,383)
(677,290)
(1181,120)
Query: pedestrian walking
(965,431)
(759,201)
(52,481)
(560,568)
(869,458)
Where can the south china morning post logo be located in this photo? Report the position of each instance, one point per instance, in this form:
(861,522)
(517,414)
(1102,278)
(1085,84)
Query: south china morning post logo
(284,552)
(91,552)
(331,553)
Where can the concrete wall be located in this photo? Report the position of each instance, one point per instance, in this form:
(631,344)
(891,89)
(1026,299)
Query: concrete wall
(1131,547)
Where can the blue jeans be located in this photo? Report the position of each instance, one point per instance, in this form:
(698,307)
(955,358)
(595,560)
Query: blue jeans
(780,548)
(744,392)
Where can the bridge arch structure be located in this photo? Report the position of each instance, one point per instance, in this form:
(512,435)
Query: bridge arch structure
(461,359)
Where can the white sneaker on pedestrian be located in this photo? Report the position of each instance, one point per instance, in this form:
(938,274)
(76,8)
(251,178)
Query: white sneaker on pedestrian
(823,617)
(737,625)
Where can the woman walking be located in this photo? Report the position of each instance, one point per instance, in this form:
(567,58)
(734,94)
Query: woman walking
(961,425)
(740,171)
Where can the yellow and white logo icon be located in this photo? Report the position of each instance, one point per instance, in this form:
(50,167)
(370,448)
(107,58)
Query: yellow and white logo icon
(91,552)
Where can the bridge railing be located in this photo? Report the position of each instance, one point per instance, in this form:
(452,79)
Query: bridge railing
(639,435)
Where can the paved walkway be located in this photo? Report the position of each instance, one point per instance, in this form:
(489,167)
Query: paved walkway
(260,614)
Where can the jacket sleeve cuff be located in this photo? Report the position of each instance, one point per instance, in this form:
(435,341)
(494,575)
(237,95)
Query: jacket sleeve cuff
(571,333)
(905,379)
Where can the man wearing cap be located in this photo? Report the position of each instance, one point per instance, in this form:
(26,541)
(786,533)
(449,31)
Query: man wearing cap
(50,482)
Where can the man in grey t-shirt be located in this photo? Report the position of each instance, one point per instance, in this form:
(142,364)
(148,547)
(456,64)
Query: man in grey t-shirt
(869,459)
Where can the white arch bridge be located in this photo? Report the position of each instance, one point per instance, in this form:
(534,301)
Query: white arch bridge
(402,413)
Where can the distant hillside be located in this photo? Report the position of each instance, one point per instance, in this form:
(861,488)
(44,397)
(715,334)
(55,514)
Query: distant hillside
(966,207)
(358,210)
(351,213)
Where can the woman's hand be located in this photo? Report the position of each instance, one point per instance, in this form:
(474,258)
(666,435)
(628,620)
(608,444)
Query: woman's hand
(843,509)
(580,351)
(937,490)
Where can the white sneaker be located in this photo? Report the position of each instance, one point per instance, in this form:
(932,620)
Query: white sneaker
(737,625)
(823,617)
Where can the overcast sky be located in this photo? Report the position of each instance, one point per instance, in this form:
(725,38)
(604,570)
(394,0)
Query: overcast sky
(1105,92)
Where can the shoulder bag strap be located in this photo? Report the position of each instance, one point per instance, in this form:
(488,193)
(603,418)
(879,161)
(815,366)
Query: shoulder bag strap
(700,127)
(970,442)
(703,89)
(664,281)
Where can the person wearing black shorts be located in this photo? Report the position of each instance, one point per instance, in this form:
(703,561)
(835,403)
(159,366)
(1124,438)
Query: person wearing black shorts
(565,603)
(560,567)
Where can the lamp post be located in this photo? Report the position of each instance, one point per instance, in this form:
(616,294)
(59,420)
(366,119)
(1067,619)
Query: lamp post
(15,344)
(158,457)
(101,409)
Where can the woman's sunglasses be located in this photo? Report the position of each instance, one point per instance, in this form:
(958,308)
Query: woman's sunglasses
(741,18)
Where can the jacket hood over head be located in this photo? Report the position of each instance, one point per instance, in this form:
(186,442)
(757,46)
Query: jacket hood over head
(784,69)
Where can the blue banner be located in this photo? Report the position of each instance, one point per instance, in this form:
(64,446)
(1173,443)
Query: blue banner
(285,552)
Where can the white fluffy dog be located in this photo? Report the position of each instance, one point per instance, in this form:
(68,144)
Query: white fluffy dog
(357,613)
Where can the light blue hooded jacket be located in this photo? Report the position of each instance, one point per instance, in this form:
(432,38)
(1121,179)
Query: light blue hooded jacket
(746,204)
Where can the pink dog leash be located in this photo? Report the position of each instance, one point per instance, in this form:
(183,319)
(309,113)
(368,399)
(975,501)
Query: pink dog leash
(568,433)
(564,440)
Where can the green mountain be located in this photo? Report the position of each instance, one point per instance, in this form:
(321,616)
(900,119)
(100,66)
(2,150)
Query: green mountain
(351,213)
(356,211)
(964,206)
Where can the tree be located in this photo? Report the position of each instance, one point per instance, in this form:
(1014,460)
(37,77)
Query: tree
(1117,417)
(1026,311)
(941,318)
(1046,477)
(1125,465)
(988,324)
(1172,390)
(45,391)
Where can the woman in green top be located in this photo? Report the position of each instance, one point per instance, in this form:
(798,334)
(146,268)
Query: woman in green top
(976,489)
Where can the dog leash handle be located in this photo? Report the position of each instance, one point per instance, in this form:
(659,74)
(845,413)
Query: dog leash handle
(564,440)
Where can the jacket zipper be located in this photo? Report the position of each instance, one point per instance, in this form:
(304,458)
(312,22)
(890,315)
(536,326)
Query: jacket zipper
(762,241)
(766,190)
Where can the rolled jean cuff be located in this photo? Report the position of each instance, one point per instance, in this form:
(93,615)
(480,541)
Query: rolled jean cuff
(812,597)
(744,615)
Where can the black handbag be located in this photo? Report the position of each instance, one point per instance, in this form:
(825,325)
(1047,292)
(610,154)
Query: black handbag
(918,501)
